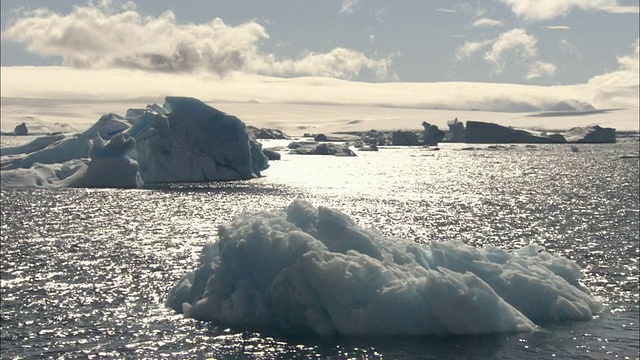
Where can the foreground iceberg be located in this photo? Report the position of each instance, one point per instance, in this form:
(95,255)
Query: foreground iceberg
(185,140)
(314,269)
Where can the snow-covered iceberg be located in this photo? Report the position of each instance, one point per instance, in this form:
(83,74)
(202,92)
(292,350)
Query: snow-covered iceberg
(307,268)
(590,134)
(184,140)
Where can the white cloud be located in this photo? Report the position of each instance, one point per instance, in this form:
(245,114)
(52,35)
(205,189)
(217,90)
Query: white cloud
(631,62)
(567,48)
(620,88)
(486,22)
(548,9)
(558,27)
(622,9)
(447,10)
(540,68)
(471,47)
(514,44)
(381,14)
(517,42)
(102,36)
(339,63)
(349,6)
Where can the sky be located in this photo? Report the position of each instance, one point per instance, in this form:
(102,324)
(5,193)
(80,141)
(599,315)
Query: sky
(530,42)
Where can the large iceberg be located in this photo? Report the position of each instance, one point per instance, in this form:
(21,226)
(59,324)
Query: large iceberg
(184,140)
(307,268)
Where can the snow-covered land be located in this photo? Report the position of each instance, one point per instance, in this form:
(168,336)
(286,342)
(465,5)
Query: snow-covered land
(46,98)
(313,269)
(184,140)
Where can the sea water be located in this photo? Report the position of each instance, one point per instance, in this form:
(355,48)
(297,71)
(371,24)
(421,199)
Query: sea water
(85,272)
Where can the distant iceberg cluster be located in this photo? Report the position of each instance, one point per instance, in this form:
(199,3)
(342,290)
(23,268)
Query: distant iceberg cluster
(309,268)
(184,140)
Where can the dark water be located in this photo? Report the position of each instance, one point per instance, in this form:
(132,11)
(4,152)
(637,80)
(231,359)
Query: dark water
(85,272)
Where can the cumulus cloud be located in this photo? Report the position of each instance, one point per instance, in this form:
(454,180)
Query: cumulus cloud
(340,63)
(513,44)
(486,22)
(541,10)
(622,87)
(102,36)
(515,41)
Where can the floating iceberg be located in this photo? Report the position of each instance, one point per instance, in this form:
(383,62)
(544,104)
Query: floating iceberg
(482,133)
(314,269)
(315,148)
(184,140)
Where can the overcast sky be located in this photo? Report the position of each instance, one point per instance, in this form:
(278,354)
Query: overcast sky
(537,42)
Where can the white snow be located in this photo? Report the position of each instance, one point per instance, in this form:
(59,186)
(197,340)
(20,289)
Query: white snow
(315,269)
(185,140)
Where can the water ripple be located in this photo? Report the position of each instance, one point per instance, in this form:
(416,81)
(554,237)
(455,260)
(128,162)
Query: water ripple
(84,272)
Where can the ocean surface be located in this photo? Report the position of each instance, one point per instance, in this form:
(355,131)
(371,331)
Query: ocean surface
(85,272)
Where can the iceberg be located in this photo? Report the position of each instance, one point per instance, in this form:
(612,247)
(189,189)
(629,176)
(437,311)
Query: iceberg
(306,268)
(482,133)
(315,148)
(590,134)
(184,140)
(109,165)
(21,129)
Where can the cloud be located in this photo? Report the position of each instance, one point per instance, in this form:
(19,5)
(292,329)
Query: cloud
(447,10)
(338,63)
(620,88)
(567,48)
(515,41)
(541,10)
(469,48)
(349,6)
(485,22)
(540,68)
(622,9)
(558,27)
(381,14)
(103,36)
(514,44)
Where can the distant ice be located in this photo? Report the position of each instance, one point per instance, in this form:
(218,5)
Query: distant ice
(315,148)
(312,268)
(184,140)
